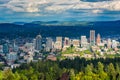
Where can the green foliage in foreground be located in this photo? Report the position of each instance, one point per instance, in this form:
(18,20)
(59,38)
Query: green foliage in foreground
(77,69)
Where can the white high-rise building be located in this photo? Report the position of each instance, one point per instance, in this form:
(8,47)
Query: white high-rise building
(109,43)
(58,43)
(11,57)
(38,42)
(49,44)
(15,47)
(1,49)
(84,41)
(76,42)
(34,43)
(67,42)
(114,44)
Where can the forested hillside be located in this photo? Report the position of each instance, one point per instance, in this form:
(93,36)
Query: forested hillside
(77,69)
(54,28)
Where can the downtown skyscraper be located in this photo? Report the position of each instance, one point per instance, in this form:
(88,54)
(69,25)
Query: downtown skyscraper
(92,37)
(84,41)
(98,39)
(38,42)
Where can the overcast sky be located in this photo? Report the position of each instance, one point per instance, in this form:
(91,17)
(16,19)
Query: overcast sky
(59,10)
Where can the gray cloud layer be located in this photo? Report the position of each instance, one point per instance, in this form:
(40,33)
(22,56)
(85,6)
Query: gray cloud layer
(58,5)
(30,8)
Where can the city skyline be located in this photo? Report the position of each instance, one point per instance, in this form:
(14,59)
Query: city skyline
(52,10)
(59,39)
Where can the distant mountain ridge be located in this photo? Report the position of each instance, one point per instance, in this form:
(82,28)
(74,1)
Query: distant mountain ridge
(19,23)
(67,23)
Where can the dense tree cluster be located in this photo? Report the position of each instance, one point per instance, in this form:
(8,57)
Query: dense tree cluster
(77,69)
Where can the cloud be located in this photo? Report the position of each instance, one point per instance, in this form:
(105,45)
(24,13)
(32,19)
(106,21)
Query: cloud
(95,7)
(97,0)
(4,1)
(62,8)
(24,5)
(97,11)
(59,6)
